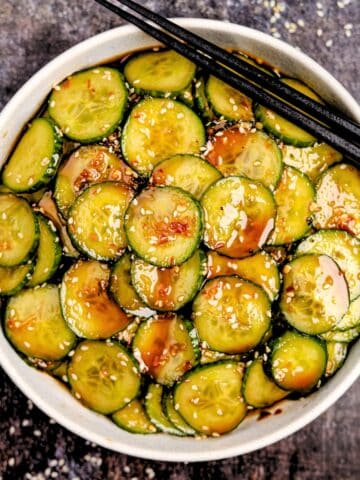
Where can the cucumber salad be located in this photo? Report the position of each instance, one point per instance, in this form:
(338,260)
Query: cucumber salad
(174,253)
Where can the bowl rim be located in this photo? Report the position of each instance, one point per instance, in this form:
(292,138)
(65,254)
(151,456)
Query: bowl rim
(25,386)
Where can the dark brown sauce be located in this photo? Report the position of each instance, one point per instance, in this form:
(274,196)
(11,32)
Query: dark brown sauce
(263,414)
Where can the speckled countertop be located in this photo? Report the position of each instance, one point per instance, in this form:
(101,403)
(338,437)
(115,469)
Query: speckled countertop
(32,446)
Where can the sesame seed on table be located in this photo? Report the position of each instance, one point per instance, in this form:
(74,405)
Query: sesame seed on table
(32,446)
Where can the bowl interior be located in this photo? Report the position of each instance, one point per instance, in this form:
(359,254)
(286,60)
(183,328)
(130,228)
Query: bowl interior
(50,395)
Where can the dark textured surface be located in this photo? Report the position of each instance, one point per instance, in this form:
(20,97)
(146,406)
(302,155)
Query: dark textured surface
(34,31)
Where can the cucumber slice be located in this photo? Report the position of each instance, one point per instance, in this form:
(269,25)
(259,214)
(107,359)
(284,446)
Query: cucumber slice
(35,326)
(86,166)
(239,216)
(13,279)
(35,159)
(294,197)
(346,336)
(48,255)
(166,346)
(169,289)
(250,154)
(154,410)
(164,226)
(47,206)
(133,418)
(157,129)
(315,294)
(260,268)
(103,376)
(310,160)
(85,303)
(209,398)
(123,290)
(89,105)
(187,96)
(32,197)
(351,318)
(298,361)
(174,417)
(341,247)
(189,172)
(201,101)
(336,353)
(211,356)
(282,128)
(228,102)
(19,231)
(258,390)
(218,313)
(338,199)
(302,88)
(96,220)
(60,371)
(159,73)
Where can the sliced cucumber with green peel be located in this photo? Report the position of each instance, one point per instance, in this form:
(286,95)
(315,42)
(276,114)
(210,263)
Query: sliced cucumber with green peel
(133,418)
(341,247)
(209,398)
(239,216)
(48,256)
(60,371)
(86,166)
(19,231)
(255,155)
(103,376)
(32,197)
(280,127)
(157,129)
(96,220)
(258,389)
(345,336)
(35,159)
(154,410)
(336,354)
(312,161)
(302,88)
(13,279)
(338,199)
(164,225)
(123,290)
(169,289)
(174,417)
(189,172)
(166,346)
(89,105)
(212,356)
(260,268)
(294,197)
(201,101)
(315,295)
(218,314)
(159,73)
(351,318)
(35,326)
(298,361)
(228,102)
(85,303)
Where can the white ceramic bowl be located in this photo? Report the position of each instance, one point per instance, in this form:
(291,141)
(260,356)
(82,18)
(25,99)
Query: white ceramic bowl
(56,401)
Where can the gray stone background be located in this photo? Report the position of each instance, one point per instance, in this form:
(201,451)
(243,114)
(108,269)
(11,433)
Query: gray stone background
(32,446)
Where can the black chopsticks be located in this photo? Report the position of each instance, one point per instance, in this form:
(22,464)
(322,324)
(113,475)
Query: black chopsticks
(263,88)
